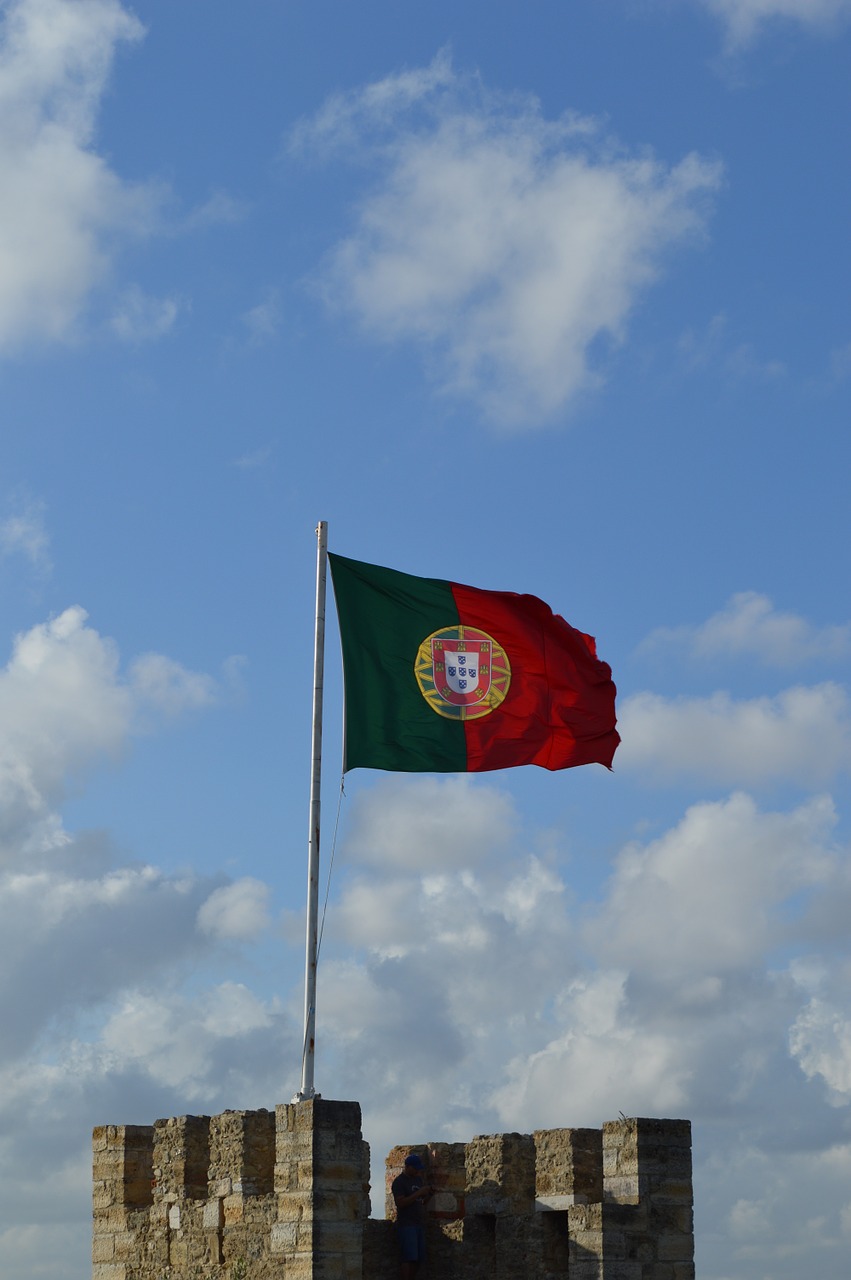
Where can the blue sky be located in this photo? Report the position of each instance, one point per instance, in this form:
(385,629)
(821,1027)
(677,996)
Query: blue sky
(549,299)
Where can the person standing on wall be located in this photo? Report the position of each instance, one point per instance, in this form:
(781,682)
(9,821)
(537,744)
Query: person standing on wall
(410,1192)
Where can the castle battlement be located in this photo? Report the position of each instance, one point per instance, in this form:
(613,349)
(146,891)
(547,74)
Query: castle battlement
(257,1195)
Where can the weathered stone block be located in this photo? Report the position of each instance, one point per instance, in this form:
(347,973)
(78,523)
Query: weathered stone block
(125,1246)
(283,1237)
(181,1157)
(339,1237)
(232,1207)
(109,1271)
(111,1219)
(103,1196)
(624,1189)
(501,1174)
(335,1172)
(103,1248)
(675,1248)
(295,1205)
(623,1270)
(569,1162)
(586,1268)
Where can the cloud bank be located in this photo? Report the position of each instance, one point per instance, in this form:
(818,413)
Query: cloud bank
(483,997)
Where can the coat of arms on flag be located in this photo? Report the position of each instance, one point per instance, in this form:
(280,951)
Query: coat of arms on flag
(463,673)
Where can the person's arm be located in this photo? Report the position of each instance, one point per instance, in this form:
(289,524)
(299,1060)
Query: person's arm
(421,1193)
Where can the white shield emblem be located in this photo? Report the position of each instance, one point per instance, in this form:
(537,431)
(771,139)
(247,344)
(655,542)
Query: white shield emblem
(461,671)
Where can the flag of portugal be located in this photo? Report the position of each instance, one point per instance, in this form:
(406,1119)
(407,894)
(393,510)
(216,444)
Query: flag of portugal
(445,678)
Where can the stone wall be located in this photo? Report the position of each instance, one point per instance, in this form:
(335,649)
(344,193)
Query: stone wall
(252,1195)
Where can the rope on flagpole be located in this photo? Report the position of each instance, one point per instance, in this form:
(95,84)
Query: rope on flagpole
(340,799)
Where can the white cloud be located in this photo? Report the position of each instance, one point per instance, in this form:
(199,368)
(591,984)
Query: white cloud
(802,735)
(169,686)
(505,244)
(256,459)
(220,209)
(743,362)
(61,706)
(600,1037)
(821,1042)
(710,347)
(449,960)
(746,19)
(263,320)
(718,880)
(481,964)
(64,705)
(750,625)
(845,1219)
(73,939)
(236,911)
(140,318)
(343,118)
(176,1041)
(156,1055)
(62,203)
(57,1246)
(429,824)
(24,533)
(775,1230)
(840,362)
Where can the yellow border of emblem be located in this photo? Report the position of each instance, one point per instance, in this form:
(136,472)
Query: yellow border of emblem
(500,675)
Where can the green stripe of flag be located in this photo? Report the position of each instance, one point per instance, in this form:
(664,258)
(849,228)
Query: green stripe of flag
(384,618)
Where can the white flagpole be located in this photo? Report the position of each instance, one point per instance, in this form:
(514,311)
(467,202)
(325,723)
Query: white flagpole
(311,940)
